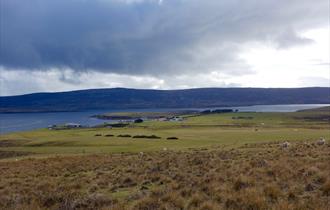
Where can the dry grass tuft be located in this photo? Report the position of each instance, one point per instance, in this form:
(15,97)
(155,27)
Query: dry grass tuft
(258,176)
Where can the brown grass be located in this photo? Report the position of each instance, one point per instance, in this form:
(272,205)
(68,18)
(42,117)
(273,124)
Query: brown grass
(259,176)
(9,154)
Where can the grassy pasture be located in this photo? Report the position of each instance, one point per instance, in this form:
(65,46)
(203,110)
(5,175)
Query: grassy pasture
(214,130)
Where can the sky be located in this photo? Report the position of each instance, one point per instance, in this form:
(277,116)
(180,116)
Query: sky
(62,45)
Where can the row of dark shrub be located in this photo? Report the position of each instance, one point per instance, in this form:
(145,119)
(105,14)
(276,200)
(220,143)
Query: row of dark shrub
(218,111)
(242,118)
(138,136)
(146,137)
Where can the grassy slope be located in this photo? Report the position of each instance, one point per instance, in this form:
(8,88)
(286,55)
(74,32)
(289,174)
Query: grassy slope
(259,176)
(197,131)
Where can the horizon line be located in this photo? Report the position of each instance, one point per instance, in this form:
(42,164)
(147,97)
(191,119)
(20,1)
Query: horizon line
(153,89)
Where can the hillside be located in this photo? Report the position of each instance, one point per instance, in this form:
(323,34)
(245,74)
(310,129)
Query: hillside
(121,98)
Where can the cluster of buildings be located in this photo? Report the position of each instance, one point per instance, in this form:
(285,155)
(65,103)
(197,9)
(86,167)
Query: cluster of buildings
(170,119)
(65,126)
(120,123)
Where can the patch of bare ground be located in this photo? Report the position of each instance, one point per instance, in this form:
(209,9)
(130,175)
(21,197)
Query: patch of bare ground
(9,154)
(12,143)
(259,176)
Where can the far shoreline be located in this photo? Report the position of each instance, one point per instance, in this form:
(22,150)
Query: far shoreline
(155,108)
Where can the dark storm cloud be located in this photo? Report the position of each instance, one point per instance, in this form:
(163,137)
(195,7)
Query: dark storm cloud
(148,37)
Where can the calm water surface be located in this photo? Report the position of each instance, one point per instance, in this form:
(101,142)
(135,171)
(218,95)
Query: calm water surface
(28,121)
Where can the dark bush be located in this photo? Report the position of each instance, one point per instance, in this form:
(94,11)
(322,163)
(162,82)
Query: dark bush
(119,125)
(109,135)
(147,137)
(222,110)
(206,112)
(124,135)
(153,137)
(138,121)
(139,136)
(217,111)
(172,138)
(242,118)
(98,134)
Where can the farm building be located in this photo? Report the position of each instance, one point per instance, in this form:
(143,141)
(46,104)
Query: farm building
(73,125)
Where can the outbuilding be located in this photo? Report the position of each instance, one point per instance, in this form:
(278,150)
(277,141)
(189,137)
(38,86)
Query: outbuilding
(73,125)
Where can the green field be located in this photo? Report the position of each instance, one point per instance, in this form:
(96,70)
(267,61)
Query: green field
(207,131)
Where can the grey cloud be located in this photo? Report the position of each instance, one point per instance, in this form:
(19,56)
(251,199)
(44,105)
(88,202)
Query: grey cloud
(145,37)
(289,38)
(70,77)
(12,83)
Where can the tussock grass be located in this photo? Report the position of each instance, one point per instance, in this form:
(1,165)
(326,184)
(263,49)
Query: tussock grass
(256,176)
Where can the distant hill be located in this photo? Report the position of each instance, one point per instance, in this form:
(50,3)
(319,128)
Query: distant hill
(122,98)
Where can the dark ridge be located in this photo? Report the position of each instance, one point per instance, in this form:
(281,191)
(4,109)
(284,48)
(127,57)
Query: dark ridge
(121,98)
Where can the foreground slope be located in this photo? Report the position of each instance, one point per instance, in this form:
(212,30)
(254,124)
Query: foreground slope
(253,176)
